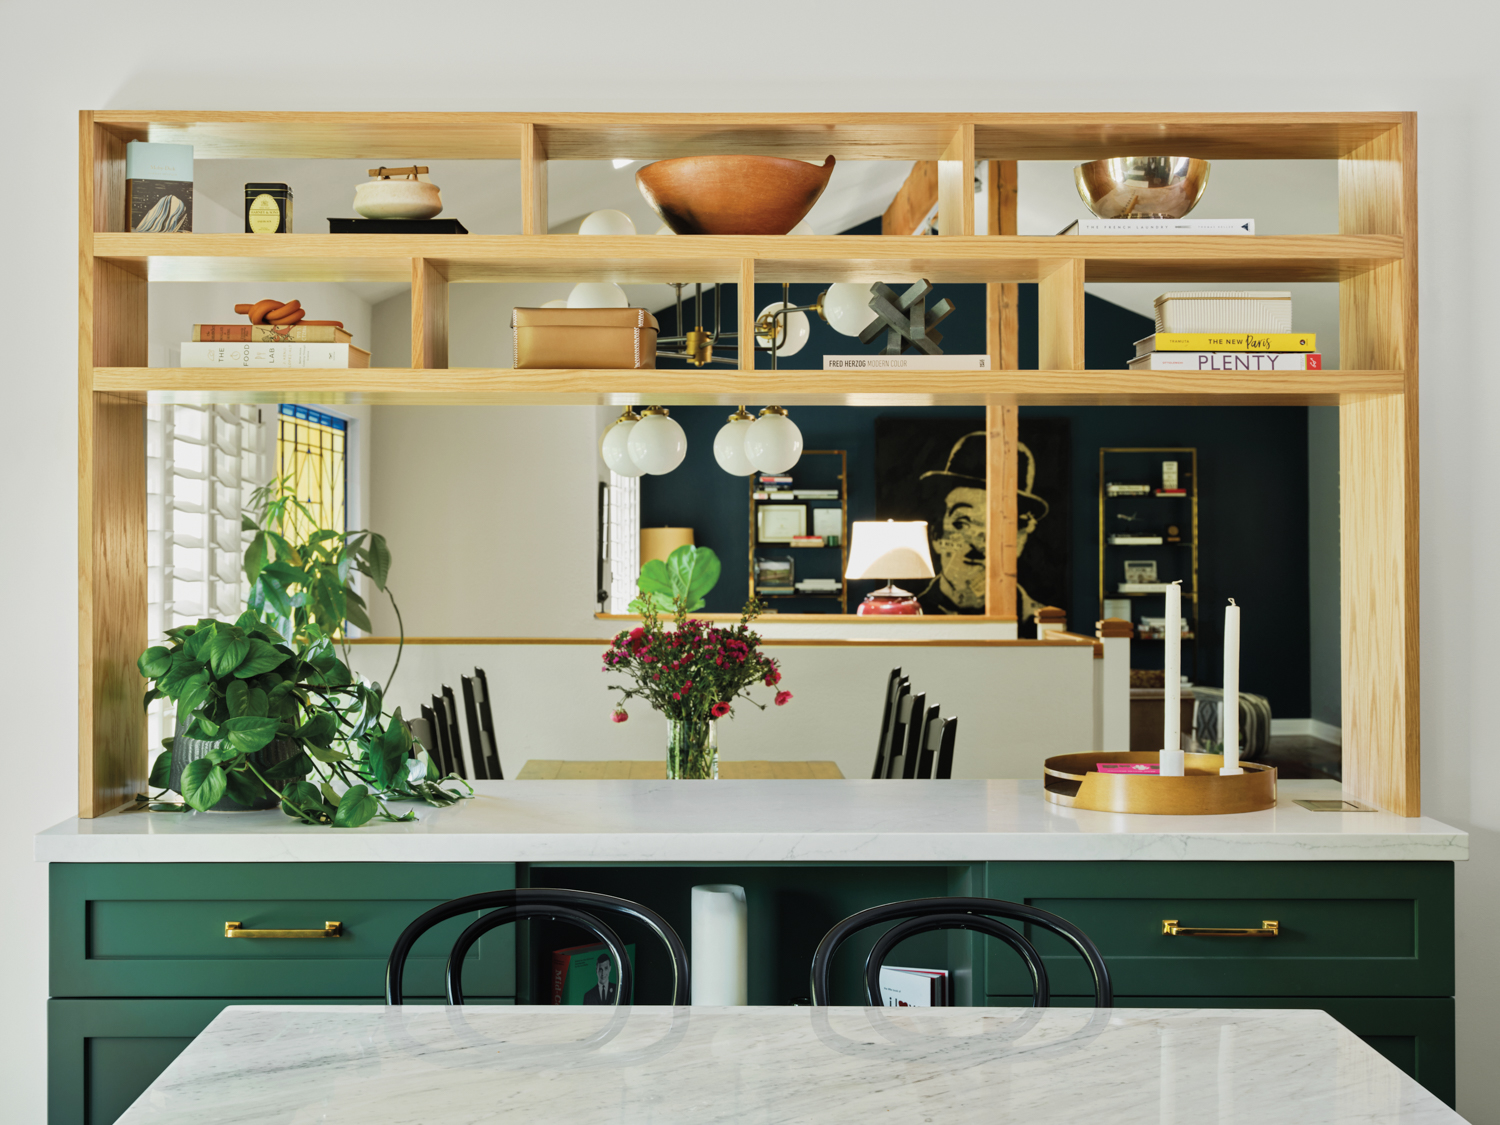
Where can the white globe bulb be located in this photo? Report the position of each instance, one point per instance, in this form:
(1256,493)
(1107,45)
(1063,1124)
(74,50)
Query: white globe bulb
(847,307)
(773,443)
(729,447)
(607,222)
(657,444)
(615,448)
(793,330)
(597,295)
(559,303)
(802,228)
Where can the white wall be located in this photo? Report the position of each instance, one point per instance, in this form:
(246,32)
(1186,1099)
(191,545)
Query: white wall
(1016,704)
(1279,55)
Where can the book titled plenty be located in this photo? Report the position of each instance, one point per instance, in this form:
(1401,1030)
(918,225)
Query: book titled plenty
(251,354)
(1227,342)
(1228,361)
(271,334)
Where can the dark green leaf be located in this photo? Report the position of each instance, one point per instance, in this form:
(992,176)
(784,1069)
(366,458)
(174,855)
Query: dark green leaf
(255,555)
(357,807)
(237,698)
(320,729)
(203,729)
(295,767)
(150,697)
(161,771)
(192,696)
(155,662)
(250,733)
(261,657)
(247,522)
(245,788)
(356,616)
(380,561)
(327,756)
(228,647)
(224,752)
(301,798)
(183,669)
(203,784)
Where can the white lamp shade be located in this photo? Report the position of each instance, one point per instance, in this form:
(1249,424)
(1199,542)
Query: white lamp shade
(729,447)
(657,444)
(597,295)
(888,550)
(773,443)
(847,307)
(792,330)
(558,303)
(607,222)
(615,449)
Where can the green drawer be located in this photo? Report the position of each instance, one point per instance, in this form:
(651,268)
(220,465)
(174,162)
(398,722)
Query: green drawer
(1347,929)
(1415,1034)
(102,1054)
(157,929)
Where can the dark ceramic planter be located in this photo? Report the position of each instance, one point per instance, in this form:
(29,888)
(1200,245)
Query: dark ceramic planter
(185,750)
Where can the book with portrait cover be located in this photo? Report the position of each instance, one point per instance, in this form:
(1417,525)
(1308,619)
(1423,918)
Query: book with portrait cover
(585,974)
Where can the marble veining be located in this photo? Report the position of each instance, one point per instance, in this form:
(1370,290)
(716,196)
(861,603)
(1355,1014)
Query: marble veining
(341,1065)
(762,821)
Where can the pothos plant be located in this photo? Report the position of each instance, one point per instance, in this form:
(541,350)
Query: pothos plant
(241,687)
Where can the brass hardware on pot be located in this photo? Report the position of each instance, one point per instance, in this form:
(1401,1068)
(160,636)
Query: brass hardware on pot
(329,930)
(1170,927)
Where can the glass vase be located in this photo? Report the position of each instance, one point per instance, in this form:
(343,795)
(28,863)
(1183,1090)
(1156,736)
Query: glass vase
(692,750)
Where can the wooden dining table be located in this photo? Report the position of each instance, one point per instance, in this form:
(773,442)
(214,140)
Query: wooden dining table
(556,769)
(438,1065)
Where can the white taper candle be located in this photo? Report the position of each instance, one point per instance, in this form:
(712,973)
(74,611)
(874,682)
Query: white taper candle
(1231,723)
(1172,761)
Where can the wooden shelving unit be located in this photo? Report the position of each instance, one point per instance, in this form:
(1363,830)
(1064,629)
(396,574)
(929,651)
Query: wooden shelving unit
(1372,257)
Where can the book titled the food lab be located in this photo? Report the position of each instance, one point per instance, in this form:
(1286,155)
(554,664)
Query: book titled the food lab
(255,354)
(1228,361)
(158,187)
(272,334)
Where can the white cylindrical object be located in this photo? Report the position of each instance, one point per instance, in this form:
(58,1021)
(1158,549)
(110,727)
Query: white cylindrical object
(657,444)
(1231,718)
(1171,740)
(721,945)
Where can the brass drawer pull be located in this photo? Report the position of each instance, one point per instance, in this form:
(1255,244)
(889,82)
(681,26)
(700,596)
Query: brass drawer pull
(330,929)
(1170,927)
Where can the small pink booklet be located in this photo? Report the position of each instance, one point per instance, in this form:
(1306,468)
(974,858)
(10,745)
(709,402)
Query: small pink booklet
(1125,767)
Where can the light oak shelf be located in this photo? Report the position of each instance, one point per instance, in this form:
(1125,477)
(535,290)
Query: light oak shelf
(1372,258)
(480,385)
(717,258)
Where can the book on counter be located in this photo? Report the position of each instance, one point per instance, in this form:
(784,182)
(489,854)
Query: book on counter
(901,987)
(251,354)
(1154,227)
(1171,492)
(768,478)
(271,334)
(1143,587)
(576,974)
(1135,540)
(1228,361)
(916,361)
(1227,342)
(806,541)
(1120,489)
(775,590)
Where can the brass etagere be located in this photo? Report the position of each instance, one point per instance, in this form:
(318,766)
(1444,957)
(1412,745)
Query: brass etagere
(842,597)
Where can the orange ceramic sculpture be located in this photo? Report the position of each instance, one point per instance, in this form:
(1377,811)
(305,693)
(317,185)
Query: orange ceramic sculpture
(733,194)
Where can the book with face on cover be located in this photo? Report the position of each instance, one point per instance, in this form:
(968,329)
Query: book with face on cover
(586,974)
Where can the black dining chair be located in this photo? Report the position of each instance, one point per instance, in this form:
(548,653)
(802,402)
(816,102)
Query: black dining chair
(487,725)
(448,714)
(945,743)
(921,915)
(903,759)
(895,736)
(932,732)
(558,903)
(887,714)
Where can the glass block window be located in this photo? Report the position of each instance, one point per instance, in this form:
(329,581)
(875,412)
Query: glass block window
(622,520)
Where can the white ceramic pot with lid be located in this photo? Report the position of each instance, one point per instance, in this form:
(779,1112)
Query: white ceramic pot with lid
(407,198)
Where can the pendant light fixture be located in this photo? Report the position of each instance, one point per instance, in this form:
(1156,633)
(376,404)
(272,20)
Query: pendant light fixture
(597,295)
(656,443)
(615,449)
(729,444)
(773,443)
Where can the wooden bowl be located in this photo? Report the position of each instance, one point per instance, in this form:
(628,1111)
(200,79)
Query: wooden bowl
(733,194)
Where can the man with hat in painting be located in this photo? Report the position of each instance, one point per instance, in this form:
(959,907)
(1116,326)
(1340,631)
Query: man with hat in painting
(953,499)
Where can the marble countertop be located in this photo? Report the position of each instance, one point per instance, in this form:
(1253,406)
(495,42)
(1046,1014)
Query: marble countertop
(761,822)
(757,1066)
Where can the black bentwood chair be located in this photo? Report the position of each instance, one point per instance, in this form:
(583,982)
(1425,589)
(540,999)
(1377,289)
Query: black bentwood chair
(978,914)
(557,903)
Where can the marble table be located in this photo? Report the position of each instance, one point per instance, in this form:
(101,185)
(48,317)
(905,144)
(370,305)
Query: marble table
(445,1066)
(557,769)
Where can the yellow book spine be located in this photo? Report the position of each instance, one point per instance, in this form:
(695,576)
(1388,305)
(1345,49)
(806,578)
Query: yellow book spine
(1240,342)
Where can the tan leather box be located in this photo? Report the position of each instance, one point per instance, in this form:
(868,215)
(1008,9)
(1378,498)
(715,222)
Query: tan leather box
(586,338)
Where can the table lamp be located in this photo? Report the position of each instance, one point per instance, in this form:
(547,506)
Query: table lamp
(889,550)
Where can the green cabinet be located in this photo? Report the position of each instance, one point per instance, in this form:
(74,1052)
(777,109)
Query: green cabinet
(140,962)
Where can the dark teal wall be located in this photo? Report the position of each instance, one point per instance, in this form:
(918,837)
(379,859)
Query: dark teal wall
(1253,488)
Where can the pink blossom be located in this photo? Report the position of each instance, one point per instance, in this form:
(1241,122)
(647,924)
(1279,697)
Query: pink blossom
(719,710)
(619,716)
(773,677)
(782,698)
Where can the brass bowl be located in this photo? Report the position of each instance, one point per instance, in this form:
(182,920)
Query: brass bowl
(733,194)
(1142,187)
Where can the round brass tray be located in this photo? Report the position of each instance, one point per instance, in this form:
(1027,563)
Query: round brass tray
(1072,780)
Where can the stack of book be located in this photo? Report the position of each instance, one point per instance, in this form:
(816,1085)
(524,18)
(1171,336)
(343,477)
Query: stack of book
(818,586)
(270,345)
(1120,488)
(1215,331)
